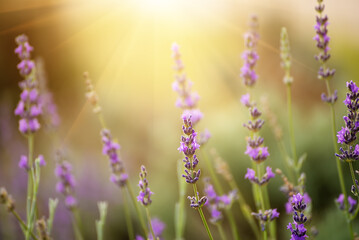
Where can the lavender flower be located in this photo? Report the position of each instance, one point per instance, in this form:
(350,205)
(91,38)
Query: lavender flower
(189,146)
(352,203)
(217,203)
(119,175)
(24,163)
(28,108)
(266,216)
(145,193)
(66,184)
(204,137)
(347,135)
(186,100)
(250,175)
(250,55)
(322,39)
(158,228)
(299,231)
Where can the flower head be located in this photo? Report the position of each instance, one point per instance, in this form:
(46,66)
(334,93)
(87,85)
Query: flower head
(119,175)
(145,193)
(66,184)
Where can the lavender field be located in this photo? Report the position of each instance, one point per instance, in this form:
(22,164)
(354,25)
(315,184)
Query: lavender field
(168,119)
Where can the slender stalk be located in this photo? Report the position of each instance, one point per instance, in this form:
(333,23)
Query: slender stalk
(221,232)
(36,181)
(339,166)
(246,210)
(291,132)
(201,214)
(150,222)
(127,216)
(180,213)
(261,199)
(22,224)
(143,225)
(353,178)
(31,182)
(219,188)
(76,223)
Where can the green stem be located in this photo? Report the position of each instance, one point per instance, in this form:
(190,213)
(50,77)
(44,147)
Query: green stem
(150,222)
(353,178)
(130,191)
(291,133)
(180,213)
(339,166)
(127,216)
(22,224)
(36,182)
(246,210)
(76,223)
(219,188)
(221,232)
(260,194)
(31,183)
(201,214)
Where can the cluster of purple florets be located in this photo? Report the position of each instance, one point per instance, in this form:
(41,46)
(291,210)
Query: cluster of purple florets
(347,135)
(189,146)
(24,162)
(299,219)
(158,227)
(322,40)
(29,107)
(118,176)
(266,216)
(145,193)
(186,100)
(251,176)
(250,58)
(66,185)
(217,203)
(352,203)
(255,149)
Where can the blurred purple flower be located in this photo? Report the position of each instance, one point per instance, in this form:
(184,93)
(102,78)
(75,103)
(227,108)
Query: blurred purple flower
(66,184)
(28,108)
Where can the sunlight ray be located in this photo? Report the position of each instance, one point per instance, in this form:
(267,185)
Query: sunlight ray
(113,57)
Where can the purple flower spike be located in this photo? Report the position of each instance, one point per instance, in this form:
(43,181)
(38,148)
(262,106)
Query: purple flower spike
(66,184)
(347,135)
(145,193)
(187,100)
(119,175)
(29,107)
(322,41)
(250,58)
(299,231)
(188,146)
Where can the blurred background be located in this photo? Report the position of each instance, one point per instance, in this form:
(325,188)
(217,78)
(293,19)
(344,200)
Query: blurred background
(125,46)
